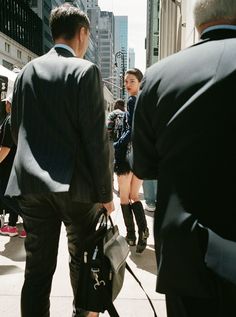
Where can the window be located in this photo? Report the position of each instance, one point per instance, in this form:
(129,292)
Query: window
(19,54)
(7,64)
(155,51)
(7,47)
(29,58)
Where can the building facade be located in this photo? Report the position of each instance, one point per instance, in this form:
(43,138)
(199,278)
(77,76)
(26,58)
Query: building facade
(13,54)
(20,33)
(93,12)
(131,58)
(121,36)
(106,46)
(43,8)
(176,26)
(152,38)
(121,53)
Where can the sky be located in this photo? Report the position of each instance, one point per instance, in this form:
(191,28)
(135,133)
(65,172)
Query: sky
(136,12)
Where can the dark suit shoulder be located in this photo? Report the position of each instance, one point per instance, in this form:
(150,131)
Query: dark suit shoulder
(192,52)
(59,65)
(185,65)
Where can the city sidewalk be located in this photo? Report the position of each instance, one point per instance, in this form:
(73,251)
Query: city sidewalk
(131,301)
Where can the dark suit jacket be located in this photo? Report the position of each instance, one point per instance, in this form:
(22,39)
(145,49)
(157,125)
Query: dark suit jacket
(184,135)
(58,123)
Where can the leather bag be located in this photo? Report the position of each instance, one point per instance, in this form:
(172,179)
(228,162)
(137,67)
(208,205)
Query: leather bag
(102,268)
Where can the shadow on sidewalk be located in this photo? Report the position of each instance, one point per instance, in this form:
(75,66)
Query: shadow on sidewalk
(14,249)
(145,261)
(9,269)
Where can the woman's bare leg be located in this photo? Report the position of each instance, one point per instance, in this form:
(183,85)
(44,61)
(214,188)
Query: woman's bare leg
(136,184)
(124,182)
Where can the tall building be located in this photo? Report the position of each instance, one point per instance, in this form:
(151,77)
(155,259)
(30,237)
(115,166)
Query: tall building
(92,4)
(121,51)
(20,33)
(152,38)
(131,58)
(93,12)
(92,51)
(106,47)
(43,8)
(121,36)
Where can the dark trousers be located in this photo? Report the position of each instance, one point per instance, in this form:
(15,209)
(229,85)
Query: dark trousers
(43,215)
(222,305)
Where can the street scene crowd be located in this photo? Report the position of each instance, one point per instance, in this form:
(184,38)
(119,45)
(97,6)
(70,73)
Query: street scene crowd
(173,138)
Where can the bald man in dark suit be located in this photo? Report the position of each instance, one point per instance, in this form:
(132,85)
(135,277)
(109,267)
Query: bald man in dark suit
(184,135)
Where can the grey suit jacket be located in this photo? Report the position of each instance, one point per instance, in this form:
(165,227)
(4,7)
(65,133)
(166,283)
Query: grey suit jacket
(184,135)
(58,123)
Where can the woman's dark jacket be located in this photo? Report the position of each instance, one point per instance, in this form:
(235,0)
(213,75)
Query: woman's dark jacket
(122,146)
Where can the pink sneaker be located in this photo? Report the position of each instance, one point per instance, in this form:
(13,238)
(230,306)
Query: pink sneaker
(9,231)
(23,234)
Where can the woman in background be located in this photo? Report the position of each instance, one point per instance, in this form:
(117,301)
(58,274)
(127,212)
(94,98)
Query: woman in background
(129,184)
(7,154)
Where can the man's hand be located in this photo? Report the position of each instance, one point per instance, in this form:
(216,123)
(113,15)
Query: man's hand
(109,207)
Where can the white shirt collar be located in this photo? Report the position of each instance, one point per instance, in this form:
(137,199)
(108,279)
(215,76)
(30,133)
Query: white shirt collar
(66,47)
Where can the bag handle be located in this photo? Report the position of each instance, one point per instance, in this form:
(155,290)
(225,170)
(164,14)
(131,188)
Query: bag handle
(104,218)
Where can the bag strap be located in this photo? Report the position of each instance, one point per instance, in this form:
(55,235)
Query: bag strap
(110,307)
(138,281)
(112,310)
(109,304)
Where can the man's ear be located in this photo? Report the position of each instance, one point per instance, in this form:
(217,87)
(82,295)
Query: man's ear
(82,34)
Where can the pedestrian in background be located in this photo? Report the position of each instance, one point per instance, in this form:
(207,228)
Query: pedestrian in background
(61,168)
(114,126)
(150,194)
(129,184)
(7,154)
(184,135)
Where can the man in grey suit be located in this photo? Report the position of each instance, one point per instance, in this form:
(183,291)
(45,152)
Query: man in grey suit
(61,168)
(184,135)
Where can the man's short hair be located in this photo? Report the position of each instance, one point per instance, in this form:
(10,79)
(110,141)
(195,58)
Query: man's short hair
(66,20)
(206,11)
(119,104)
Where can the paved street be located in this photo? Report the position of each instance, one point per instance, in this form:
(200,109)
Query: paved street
(130,303)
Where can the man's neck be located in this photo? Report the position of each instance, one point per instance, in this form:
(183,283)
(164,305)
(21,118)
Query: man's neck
(204,26)
(70,44)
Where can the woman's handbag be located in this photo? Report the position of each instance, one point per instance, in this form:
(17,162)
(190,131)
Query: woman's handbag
(102,268)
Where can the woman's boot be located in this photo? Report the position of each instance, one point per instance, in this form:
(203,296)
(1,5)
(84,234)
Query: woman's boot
(129,223)
(143,231)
